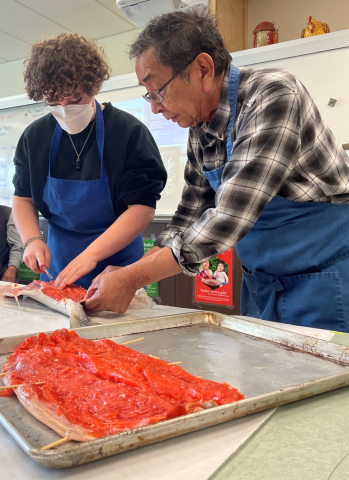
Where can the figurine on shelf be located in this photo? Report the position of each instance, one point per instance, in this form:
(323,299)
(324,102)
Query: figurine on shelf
(315,28)
(265,33)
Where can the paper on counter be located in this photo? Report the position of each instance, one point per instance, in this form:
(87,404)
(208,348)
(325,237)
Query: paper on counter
(194,456)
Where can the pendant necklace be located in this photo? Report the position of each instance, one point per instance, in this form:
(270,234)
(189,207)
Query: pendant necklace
(78,161)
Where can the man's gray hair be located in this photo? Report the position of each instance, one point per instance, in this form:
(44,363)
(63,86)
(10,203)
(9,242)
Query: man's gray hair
(179,37)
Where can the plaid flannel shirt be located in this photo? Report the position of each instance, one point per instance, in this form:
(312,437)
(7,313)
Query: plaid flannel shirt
(280,147)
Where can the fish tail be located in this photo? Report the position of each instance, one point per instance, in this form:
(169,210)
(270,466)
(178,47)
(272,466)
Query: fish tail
(78,318)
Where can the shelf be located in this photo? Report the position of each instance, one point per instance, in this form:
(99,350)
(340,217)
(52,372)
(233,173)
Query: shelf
(293,48)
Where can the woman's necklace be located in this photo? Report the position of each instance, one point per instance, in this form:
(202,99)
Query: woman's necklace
(77,163)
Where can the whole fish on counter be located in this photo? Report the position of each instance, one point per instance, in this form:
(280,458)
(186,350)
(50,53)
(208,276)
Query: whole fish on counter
(66,301)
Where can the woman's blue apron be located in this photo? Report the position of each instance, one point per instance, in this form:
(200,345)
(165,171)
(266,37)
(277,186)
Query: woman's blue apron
(81,212)
(295,258)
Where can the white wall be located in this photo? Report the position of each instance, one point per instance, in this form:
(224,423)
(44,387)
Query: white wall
(11,78)
(116,46)
(321,63)
(292,16)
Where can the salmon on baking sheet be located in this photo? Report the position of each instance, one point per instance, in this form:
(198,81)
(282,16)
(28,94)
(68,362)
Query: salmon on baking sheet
(93,389)
(65,301)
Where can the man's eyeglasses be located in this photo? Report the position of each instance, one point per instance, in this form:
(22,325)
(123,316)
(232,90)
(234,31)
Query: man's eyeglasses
(155,95)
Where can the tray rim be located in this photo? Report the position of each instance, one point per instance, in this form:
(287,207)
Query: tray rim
(83,452)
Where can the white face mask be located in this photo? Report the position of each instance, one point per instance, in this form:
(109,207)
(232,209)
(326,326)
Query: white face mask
(73,118)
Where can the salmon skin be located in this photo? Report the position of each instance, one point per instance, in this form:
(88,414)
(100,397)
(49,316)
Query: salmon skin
(66,301)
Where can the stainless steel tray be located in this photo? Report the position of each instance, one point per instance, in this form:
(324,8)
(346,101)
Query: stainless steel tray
(269,366)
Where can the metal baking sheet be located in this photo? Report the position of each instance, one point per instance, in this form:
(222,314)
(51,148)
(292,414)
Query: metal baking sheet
(269,366)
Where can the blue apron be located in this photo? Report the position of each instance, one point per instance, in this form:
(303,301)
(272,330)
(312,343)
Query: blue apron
(295,258)
(81,212)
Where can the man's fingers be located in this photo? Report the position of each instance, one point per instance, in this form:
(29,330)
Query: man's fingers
(109,269)
(95,309)
(92,302)
(91,291)
(96,281)
(112,268)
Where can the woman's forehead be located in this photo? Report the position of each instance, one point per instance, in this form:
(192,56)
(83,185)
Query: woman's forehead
(63,93)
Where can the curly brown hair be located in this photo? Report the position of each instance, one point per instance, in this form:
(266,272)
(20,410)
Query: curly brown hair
(59,65)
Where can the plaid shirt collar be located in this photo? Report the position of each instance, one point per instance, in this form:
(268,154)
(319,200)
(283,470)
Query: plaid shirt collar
(220,120)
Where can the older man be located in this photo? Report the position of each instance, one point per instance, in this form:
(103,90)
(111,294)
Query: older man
(11,246)
(264,173)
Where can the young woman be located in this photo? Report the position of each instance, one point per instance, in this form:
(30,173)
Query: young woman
(92,170)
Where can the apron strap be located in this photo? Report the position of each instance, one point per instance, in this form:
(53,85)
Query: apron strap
(234,80)
(100,137)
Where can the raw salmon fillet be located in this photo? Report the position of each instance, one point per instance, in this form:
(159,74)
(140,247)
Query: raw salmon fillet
(72,292)
(97,388)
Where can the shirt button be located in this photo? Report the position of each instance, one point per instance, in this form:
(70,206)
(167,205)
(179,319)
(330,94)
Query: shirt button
(181,259)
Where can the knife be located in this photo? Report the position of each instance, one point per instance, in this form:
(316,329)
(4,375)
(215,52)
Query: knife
(48,274)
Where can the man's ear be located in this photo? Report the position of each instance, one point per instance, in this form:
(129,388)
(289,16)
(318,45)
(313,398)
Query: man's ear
(205,65)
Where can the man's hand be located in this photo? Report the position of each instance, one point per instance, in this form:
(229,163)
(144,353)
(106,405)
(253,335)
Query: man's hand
(10,274)
(77,268)
(112,291)
(108,269)
(37,256)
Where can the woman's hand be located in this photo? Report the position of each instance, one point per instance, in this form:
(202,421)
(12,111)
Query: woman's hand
(112,291)
(77,268)
(37,256)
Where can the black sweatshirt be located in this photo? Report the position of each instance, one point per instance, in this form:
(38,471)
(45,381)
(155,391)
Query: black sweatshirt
(131,159)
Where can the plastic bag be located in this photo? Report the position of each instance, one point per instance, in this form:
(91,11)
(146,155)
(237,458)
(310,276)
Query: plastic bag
(141,300)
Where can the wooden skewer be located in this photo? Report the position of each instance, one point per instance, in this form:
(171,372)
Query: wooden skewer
(3,374)
(131,341)
(158,358)
(20,385)
(56,444)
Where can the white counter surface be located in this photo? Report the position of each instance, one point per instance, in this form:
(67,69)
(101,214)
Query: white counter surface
(32,317)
